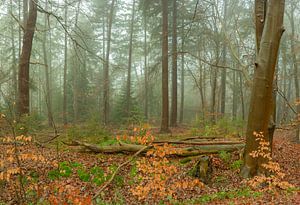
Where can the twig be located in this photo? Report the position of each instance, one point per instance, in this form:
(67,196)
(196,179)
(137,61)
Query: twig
(117,170)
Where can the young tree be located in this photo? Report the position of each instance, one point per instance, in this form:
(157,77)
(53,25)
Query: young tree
(165,93)
(65,121)
(261,97)
(128,91)
(106,66)
(23,99)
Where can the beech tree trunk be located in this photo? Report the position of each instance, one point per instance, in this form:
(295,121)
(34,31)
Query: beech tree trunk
(165,73)
(261,97)
(23,99)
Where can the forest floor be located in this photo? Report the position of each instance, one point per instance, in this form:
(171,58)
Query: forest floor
(81,175)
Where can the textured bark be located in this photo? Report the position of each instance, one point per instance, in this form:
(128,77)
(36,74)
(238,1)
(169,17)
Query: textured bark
(174,67)
(261,97)
(23,99)
(165,73)
(180,152)
(260,14)
(65,121)
(106,81)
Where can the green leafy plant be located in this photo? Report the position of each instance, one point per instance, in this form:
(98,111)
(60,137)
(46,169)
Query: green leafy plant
(83,175)
(236,165)
(225,156)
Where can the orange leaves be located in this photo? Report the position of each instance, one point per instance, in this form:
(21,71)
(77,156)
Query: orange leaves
(141,136)
(157,176)
(275,178)
(67,194)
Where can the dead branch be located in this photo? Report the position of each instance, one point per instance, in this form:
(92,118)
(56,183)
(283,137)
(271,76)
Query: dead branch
(117,170)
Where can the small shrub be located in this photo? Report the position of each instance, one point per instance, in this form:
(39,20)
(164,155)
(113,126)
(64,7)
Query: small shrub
(236,165)
(225,156)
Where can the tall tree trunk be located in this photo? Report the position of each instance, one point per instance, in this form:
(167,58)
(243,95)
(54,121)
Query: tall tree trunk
(23,99)
(182,75)
(128,94)
(223,74)
(106,67)
(174,67)
(65,120)
(14,61)
(261,97)
(146,109)
(295,65)
(165,73)
(47,66)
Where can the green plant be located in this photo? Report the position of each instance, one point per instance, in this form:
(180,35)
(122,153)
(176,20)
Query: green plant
(236,165)
(225,156)
(64,169)
(83,175)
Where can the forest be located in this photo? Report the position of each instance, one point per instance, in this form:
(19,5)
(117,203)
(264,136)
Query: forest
(176,102)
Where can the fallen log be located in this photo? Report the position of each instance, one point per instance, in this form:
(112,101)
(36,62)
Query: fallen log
(199,143)
(180,152)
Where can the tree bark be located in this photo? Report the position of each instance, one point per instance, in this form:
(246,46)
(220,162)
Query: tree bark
(261,97)
(128,92)
(23,99)
(295,66)
(174,67)
(106,81)
(223,74)
(165,73)
(182,75)
(47,65)
(65,120)
(146,109)
(180,152)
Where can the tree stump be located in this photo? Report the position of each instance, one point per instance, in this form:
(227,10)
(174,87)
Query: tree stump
(202,169)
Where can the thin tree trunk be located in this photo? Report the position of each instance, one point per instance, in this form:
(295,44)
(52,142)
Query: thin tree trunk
(165,73)
(23,100)
(295,65)
(14,61)
(128,94)
(223,74)
(174,67)
(242,95)
(47,65)
(146,111)
(65,120)
(106,81)
(182,75)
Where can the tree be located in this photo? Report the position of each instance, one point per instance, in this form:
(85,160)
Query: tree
(174,67)
(106,66)
(23,99)
(47,70)
(261,100)
(165,93)
(128,97)
(65,121)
